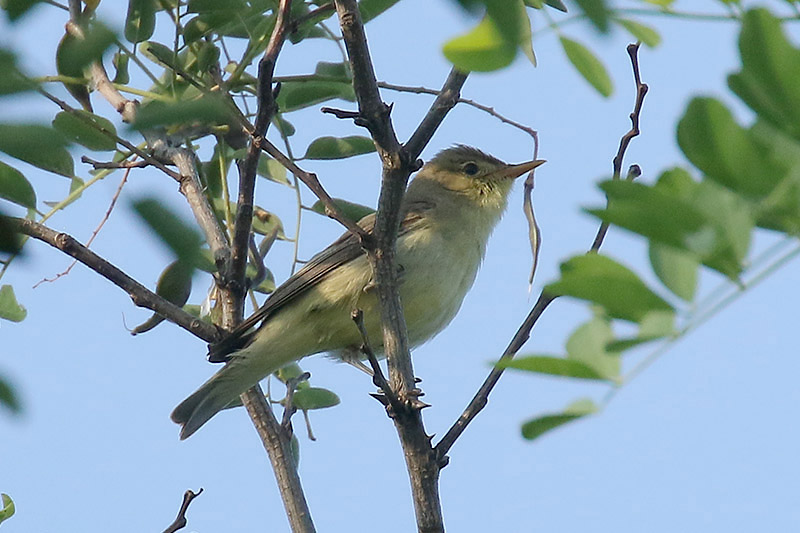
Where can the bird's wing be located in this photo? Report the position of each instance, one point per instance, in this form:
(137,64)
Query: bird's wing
(343,250)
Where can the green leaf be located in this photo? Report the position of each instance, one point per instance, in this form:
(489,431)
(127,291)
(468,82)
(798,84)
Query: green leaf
(10,240)
(16,8)
(179,236)
(141,20)
(654,326)
(339,147)
(646,34)
(8,398)
(12,81)
(314,398)
(265,222)
(74,54)
(159,53)
(10,309)
(85,129)
(208,109)
(175,286)
(597,12)
(352,211)
(120,62)
(267,285)
(770,69)
(589,345)
(601,280)
(556,4)
(8,508)
(372,8)
(272,170)
(510,18)
(538,426)
(588,65)
(14,187)
(554,366)
(334,70)
(724,151)
(300,94)
(676,269)
(38,145)
(482,49)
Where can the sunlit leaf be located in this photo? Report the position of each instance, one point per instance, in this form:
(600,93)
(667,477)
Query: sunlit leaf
(601,280)
(655,325)
(14,187)
(554,366)
(589,66)
(10,309)
(589,345)
(536,427)
(339,147)
(482,49)
(677,269)
(646,34)
(8,507)
(38,145)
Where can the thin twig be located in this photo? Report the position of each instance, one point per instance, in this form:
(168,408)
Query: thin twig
(94,233)
(325,10)
(481,397)
(114,164)
(140,295)
(180,521)
(641,92)
(388,397)
(289,409)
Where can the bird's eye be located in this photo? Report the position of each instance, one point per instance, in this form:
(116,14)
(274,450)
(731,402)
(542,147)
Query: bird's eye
(470,169)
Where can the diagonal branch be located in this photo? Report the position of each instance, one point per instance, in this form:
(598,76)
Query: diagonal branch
(141,295)
(481,398)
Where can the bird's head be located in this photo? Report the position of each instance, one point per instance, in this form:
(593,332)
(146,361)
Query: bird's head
(474,175)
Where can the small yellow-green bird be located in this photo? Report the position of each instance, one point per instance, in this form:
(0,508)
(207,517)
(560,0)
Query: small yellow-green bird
(449,211)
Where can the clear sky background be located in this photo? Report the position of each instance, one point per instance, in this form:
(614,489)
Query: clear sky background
(705,439)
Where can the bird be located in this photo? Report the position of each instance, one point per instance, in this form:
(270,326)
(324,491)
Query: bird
(448,213)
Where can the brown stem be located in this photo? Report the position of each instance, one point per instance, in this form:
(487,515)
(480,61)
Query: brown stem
(180,521)
(481,397)
(141,295)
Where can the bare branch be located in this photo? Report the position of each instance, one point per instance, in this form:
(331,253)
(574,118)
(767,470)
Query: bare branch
(141,295)
(289,408)
(480,399)
(180,521)
(389,398)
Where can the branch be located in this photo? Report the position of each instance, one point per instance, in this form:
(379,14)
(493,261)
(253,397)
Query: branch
(247,168)
(141,295)
(180,521)
(389,399)
(481,398)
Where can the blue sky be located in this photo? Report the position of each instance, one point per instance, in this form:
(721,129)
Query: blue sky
(704,440)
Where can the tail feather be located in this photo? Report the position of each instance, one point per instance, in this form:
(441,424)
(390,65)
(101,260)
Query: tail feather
(213,396)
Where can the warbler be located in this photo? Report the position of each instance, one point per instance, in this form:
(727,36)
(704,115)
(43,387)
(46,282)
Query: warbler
(449,211)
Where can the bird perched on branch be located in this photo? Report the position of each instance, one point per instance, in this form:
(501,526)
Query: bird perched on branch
(449,211)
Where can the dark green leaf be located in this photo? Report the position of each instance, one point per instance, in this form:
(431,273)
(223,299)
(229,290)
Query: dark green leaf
(14,187)
(208,109)
(87,129)
(589,345)
(724,151)
(510,18)
(179,236)
(141,20)
(8,398)
(339,147)
(10,309)
(641,32)
(12,81)
(354,212)
(267,285)
(74,54)
(770,70)
(16,8)
(10,240)
(121,75)
(314,398)
(597,12)
(554,366)
(372,8)
(8,507)
(38,145)
(297,95)
(601,280)
(588,65)
(175,286)
(676,269)
(536,427)
(159,53)
(339,71)
(482,49)
(557,4)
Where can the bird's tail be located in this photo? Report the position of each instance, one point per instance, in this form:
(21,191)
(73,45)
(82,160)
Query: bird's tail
(213,396)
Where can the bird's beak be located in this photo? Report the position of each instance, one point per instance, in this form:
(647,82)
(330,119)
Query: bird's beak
(515,171)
